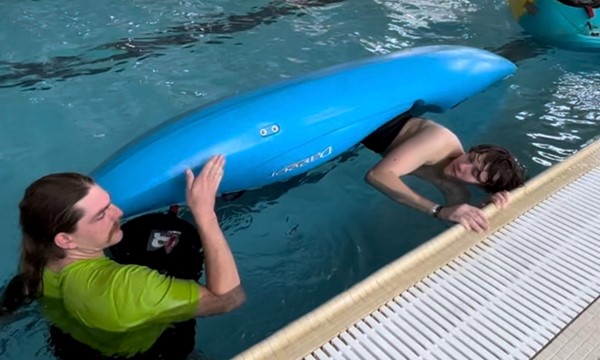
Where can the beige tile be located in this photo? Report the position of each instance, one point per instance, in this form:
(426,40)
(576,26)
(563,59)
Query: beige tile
(580,340)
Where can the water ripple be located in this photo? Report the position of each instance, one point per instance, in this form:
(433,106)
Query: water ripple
(572,113)
(412,21)
(115,55)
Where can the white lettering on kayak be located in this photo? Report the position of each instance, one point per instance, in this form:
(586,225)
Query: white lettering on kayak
(299,164)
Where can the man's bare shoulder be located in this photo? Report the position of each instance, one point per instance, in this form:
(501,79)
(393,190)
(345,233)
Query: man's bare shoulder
(422,143)
(426,131)
(448,145)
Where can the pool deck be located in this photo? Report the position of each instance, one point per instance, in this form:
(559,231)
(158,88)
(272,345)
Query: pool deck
(578,341)
(526,289)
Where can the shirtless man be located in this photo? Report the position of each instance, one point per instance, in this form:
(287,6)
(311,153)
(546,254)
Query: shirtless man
(421,147)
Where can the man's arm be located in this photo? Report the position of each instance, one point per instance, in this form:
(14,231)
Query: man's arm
(223,291)
(429,145)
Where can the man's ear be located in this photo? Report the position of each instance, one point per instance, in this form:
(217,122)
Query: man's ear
(64,241)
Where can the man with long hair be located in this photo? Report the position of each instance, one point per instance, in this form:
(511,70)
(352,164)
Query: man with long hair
(68,221)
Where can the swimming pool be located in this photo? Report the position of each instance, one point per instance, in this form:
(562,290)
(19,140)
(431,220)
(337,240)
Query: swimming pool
(78,80)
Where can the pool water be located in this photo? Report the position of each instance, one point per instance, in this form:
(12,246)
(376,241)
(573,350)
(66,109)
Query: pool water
(78,80)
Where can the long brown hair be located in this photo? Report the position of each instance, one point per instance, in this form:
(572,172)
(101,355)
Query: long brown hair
(47,208)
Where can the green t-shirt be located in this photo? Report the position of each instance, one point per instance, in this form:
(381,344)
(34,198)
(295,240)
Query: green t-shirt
(114,308)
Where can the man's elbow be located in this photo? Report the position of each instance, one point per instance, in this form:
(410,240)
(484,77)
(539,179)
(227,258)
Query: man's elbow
(211,304)
(374,176)
(371,177)
(237,299)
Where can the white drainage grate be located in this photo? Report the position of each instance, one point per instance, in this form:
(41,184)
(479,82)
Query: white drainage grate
(505,298)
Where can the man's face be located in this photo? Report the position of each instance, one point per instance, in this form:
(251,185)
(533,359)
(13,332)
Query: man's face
(99,227)
(468,168)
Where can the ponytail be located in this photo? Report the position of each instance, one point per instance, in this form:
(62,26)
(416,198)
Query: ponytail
(26,286)
(14,296)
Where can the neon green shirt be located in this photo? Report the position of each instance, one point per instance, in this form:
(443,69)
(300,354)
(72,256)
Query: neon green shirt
(115,308)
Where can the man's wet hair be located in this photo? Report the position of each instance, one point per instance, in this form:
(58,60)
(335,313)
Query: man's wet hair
(505,172)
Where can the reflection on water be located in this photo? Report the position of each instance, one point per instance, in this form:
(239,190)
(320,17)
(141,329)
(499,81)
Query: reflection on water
(414,16)
(581,92)
(114,55)
(410,21)
(574,107)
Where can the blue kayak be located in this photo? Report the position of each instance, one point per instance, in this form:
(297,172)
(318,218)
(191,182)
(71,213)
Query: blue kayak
(286,129)
(569,24)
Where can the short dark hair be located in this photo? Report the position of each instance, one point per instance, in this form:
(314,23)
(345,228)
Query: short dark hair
(505,172)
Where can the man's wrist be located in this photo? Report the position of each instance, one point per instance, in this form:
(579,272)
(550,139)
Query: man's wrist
(205,218)
(435,210)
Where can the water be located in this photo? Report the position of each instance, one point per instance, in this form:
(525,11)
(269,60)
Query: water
(80,79)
